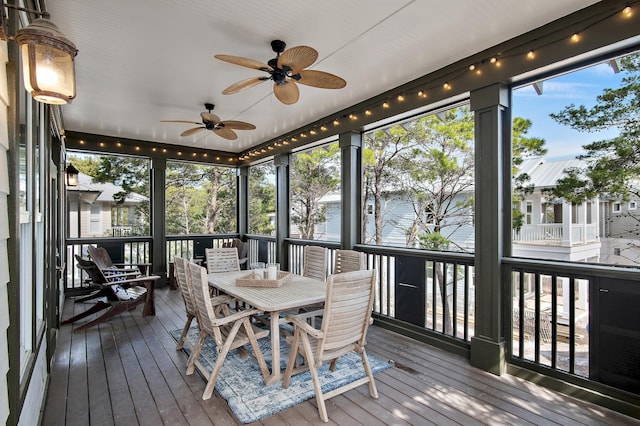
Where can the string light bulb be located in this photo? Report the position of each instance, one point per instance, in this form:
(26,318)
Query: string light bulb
(472,67)
(400,98)
(367,112)
(385,105)
(353,117)
(627,11)
(323,128)
(531,54)
(312,132)
(575,38)
(336,122)
(446,86)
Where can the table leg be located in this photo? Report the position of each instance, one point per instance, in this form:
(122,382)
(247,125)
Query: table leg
(276,374)
(172,277)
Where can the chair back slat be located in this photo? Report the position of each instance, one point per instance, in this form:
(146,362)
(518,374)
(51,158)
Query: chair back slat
(185,288)
(347,311)
(200,288)
(224,259)
(349,260)
(100,256)
(314,264)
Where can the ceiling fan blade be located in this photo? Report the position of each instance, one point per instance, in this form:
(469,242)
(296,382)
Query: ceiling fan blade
(209,117)
(287,93)
(238,125)
(245,62)
(179,121)
(244,84)
(298,58)
(226,133)
(321,79)
(193,131)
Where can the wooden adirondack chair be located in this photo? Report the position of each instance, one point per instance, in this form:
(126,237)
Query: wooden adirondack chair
(121,291)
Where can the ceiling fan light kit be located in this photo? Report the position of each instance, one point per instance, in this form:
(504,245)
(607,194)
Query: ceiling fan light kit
(286,70)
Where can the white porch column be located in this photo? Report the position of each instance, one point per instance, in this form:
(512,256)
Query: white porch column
(566,224)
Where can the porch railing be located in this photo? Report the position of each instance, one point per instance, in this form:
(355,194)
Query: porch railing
(576,319)
(121,250)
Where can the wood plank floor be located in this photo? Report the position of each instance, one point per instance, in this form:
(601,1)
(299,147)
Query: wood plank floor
(128,372)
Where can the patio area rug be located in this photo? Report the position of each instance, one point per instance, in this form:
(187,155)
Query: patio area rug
(241,385)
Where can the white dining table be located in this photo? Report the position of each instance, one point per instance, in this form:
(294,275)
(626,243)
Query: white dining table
(299,292)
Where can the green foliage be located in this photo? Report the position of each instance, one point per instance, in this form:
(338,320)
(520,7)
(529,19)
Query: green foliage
(613,164)
(262,198)
(313,175)
(87,165)
(434,241)
(200,199)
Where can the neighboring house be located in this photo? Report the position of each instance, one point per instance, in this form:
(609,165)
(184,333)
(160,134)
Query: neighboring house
(556,229)
(93,212)
(621,229)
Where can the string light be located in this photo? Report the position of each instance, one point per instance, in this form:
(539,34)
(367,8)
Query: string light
(294,139)
(102,144)
(205,155)
(477,68)
(303,135)
(137,148)
(164,149)
(194,154)
(179,152)
(118,144)
(154,149)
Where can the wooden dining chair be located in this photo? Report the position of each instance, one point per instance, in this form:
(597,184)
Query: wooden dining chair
(345,320)
(243,250)
(183,278)
(349,260)
(314,263)
(224,259)
(230,330)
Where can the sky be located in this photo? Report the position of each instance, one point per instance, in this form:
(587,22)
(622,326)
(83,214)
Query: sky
(580,88)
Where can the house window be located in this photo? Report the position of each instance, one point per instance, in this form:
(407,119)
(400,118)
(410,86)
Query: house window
(95,221)
(529,212)
(632,205)
(616,251)
(617,207)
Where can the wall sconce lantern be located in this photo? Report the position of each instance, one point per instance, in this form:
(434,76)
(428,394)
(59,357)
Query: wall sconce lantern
(72,175)
(47,58)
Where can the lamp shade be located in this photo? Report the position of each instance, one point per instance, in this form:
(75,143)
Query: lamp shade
(47,62)
(72,175)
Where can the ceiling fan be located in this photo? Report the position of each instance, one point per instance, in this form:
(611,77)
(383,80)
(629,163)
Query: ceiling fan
(286,69)
(210,121)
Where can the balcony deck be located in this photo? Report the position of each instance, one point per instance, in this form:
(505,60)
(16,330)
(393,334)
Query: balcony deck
(128,372)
